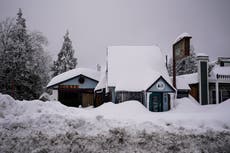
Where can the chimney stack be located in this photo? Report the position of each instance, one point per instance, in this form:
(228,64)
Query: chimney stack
(181,49)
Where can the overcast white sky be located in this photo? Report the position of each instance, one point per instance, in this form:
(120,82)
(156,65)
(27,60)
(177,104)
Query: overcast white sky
(96,24)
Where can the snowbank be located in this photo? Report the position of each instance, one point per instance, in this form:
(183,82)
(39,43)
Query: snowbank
(36,126)
(53,115)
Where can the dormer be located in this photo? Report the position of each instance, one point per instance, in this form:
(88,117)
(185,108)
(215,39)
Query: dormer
(224,61)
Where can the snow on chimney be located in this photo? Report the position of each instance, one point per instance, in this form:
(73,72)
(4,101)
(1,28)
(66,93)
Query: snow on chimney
(181,49)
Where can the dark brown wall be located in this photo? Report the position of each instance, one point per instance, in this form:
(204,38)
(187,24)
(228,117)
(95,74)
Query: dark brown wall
(101,97)
(194,92)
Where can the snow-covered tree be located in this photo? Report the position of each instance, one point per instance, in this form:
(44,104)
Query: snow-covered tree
(6,43)
(66,60)
(24,69)
(185,65)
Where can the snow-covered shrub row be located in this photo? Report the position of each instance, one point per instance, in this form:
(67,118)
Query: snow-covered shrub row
(117,140)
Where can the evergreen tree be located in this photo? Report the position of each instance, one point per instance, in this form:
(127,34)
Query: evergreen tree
(66,60)
(24,60)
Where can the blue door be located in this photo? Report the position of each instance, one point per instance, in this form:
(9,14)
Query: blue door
(155,102)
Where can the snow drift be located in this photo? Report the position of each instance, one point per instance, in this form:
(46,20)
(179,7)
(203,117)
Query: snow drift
(36,126)
(186,113)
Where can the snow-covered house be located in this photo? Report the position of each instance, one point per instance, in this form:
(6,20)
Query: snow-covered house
(136,73)
(75,87)
(211,84)
(218,79)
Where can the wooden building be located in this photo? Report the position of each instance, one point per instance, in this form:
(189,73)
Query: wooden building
(136,73)
(211,84)
(218,79)
(75,87)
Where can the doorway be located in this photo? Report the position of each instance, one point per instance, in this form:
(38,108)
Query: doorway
(69,97)
(156,102)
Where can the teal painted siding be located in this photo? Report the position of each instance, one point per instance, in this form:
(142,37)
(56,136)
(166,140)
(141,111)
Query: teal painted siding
(167,88)
(88,83)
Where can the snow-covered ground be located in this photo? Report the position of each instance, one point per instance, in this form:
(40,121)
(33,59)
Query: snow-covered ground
(36,126)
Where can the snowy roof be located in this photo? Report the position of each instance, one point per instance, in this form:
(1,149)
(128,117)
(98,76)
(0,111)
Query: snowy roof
(181,36)
(102,82)
(224,59)
(183,81)
(220,70)
(135,68)
(93,74)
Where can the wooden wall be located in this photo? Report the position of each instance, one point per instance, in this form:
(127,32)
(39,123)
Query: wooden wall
(101,97)
(194,91)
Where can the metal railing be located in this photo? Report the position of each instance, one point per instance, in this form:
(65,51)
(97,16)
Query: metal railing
(222,77)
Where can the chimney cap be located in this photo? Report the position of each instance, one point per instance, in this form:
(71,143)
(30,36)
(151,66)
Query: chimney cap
(181,36)
(202,56)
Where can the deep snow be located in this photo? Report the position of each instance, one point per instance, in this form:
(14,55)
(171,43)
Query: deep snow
(36,126)
(145,72)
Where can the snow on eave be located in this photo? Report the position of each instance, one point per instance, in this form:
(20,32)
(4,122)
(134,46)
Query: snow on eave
(201,54)
(181,36)
(224,59)
(90,73)
(220,70)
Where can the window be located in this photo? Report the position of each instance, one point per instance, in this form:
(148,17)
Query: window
(81,80)
(226,63)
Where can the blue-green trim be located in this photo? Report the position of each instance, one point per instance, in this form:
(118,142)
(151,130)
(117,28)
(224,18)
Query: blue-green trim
(71,79)
(170,88)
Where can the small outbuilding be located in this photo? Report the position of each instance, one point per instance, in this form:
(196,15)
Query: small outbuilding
(75,87)
(136,73)
(210,84)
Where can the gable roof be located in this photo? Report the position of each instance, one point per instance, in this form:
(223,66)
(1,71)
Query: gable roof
(169,85)
(135,68)
(219,70)
(90,73)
